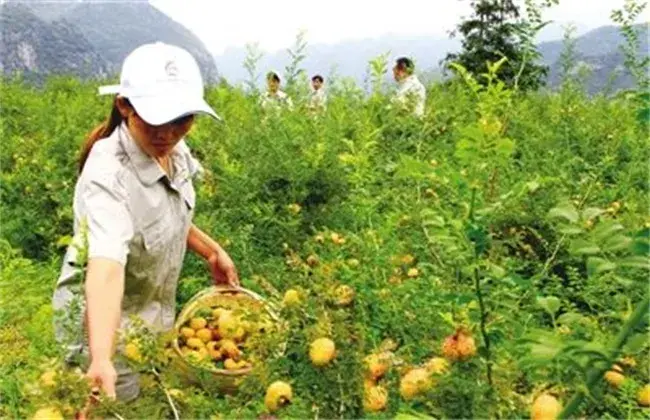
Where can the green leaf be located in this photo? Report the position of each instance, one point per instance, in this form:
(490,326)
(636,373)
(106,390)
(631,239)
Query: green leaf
(596,265)
(571,230)
(582,247)
(636,343)
(566,211)
(64,241)
(635,262)
(505,146)
(497,271)
(571,318)
(591,212)
(550,304)
(606,230)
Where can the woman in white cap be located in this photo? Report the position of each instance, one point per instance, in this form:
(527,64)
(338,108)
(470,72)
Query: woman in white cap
(133,208)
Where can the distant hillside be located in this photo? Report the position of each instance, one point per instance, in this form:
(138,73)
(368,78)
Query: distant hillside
(599,52)
(110,29)
(36,48)
(597,49)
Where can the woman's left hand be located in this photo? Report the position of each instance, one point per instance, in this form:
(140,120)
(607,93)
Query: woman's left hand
(223,269)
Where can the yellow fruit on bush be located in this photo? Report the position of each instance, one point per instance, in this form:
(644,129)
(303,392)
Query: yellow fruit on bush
(177,394)
(195,343)
(407,259)
(643,397)
(198,323)
(437,365)
(368,383)
(132,352)
(614,378)
(344,295)
(213,350)
(414,383)
(187,332)
(230,349)
(278,394)
(312,261)
(337,239)
(459,346)
(322,351)
(413,272)
(545,407)
(48,413)
(48,378)
(291,298)
(375,399)
(353,262)
(204,334)
(377,365)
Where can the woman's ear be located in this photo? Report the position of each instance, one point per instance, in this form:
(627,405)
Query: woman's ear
(126,110)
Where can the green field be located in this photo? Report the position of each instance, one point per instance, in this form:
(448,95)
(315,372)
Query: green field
(522,217)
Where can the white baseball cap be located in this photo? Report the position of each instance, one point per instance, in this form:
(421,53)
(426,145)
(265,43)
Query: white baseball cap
(163,82)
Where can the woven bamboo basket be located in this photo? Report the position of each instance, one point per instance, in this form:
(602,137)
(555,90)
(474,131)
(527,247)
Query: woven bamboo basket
(211,377)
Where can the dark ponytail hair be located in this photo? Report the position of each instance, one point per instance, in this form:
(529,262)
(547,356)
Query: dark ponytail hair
(102,131)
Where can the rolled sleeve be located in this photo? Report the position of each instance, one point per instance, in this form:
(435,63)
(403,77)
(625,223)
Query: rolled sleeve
(109,222)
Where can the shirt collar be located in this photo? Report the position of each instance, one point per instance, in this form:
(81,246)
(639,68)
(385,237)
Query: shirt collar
(148,170)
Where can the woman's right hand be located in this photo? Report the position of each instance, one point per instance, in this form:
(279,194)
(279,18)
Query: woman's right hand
(102,374)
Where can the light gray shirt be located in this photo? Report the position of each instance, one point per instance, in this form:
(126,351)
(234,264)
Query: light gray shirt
(135,215)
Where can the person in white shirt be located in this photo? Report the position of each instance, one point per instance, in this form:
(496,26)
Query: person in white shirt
(318,97)
(411,93)
(274,97)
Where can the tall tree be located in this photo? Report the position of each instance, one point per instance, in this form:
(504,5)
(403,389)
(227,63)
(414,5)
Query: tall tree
(494,30)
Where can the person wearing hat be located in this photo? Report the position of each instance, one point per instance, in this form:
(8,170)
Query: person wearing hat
(133,207)
(411,93)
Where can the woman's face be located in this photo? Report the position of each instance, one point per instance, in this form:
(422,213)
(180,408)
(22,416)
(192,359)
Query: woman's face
(155,140)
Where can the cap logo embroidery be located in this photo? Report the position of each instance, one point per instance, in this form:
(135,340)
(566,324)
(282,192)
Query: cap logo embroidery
(171,69)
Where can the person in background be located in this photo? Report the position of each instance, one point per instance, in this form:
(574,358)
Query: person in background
(133,207)
(318,97)
(274,97)
(411,94)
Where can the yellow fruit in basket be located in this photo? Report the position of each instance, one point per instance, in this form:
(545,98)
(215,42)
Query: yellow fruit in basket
(230,349)
(216,312)
(322,351)
(132,352)
(194,343)
(278,394)
(230,364)
(414,383)
(213,350)
(228,324)
(48,378)
(48,413)
(545,407)
(437,365)
(375,398)
(187,332)
(198,322)
(643,397)
(291,298)
(204,334)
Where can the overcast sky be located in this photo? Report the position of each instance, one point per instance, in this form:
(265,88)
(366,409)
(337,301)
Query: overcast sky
(275,23)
